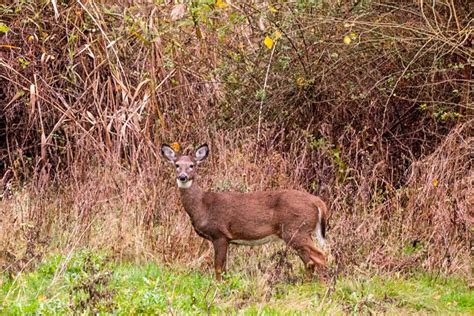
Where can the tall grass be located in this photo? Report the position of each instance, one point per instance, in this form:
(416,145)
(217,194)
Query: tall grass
(368,105)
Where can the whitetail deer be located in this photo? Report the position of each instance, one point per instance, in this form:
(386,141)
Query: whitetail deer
(250,218)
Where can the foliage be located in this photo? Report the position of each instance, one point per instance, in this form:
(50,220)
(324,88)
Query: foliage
(366,103)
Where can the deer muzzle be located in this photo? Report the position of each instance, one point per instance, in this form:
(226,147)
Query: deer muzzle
(183,177)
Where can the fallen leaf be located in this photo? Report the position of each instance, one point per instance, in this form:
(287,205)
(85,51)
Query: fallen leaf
(347,40)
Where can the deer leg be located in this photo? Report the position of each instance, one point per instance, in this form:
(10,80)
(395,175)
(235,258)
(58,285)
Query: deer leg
(305,255)
(296,241)
(220,255)
(309,254)
(319,259)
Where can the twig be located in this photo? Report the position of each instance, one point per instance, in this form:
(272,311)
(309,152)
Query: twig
(261,102)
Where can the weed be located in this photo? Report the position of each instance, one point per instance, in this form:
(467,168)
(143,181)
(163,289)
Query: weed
(92,283)
(380,126)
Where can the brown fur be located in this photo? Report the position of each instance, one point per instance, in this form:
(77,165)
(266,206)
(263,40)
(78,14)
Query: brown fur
(226,217)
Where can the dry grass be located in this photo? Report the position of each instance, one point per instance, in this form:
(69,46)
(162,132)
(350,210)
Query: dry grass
(381,127)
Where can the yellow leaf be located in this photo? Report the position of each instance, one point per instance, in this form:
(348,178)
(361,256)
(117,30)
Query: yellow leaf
(4,28)
(300,81)
(221,4)
(268,42)
(272,9)
(276,35)
(347,40)
(435,182)
(42,298)
(353,36)
(176,146)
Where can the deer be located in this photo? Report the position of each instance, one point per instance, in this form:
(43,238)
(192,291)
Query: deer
(252,218)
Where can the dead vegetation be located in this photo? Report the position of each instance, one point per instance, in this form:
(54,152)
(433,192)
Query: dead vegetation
(368,105)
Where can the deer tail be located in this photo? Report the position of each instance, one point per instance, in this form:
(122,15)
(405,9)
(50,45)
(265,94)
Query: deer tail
(321,226)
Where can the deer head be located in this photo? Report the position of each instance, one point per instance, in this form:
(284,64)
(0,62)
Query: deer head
(185,165)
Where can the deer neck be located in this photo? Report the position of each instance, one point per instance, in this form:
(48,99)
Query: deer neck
(192,199)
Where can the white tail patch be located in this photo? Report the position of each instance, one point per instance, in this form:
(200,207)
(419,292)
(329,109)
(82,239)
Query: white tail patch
(319,232)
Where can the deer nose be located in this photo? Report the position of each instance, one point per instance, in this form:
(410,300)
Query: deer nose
(182,177)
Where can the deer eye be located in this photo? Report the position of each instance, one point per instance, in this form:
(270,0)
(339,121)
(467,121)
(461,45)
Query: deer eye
(191,166)
(177,166)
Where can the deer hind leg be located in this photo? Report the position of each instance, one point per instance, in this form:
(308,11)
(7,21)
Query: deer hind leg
(317,256)
(312,257)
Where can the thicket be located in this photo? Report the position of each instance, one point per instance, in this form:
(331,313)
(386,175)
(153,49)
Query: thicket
(366,103)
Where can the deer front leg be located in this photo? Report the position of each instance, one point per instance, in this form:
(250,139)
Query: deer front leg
(220,255)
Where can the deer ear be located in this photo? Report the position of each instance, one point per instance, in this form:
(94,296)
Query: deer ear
(201,153)
(168,152)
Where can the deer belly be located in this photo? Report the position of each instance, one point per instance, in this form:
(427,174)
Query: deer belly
(255,242)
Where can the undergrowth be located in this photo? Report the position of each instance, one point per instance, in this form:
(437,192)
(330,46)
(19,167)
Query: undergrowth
(367,104)
(84,282)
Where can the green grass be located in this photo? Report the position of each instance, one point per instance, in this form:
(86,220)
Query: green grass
(92,284)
